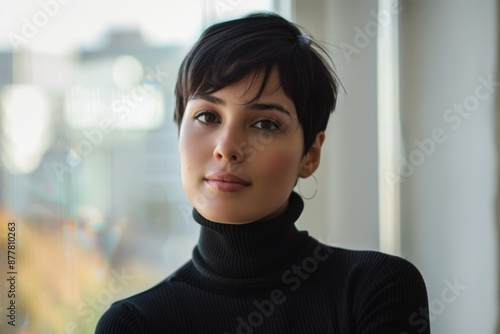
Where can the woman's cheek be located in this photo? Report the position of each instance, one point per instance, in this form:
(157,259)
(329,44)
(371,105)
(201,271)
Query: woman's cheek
(283,164)
(193,144)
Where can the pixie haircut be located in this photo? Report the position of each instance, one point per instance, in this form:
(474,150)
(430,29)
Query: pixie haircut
(229,51)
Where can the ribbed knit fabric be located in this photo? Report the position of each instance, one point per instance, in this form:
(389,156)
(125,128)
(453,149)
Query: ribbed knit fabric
(268,277)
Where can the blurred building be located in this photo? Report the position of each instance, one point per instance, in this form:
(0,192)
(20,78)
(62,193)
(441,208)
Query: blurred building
(104,153)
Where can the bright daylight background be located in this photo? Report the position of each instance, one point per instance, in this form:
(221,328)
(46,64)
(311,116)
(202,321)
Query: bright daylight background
(88,148)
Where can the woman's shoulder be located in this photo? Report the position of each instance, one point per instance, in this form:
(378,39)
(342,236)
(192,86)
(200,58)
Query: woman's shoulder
(385,293)
(370,268)
(134,313)
(370,261)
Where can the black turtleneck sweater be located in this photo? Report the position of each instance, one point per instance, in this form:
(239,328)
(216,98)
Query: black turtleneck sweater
(268,277)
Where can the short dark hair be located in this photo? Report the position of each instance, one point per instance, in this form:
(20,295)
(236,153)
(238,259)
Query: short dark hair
(228,51)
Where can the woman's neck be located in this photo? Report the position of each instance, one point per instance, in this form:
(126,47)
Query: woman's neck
(252,250)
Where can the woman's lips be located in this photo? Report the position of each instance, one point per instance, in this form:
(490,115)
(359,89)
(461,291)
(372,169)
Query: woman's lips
(224,181)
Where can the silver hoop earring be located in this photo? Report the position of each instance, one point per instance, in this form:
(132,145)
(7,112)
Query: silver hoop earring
(315,189)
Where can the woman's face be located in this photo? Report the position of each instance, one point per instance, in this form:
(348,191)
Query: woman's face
(240,160)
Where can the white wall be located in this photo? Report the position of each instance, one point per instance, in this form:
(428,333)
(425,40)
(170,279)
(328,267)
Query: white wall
(448,200)
(347,196)
(448,203)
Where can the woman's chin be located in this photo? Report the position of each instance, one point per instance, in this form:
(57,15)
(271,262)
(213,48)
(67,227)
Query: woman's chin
(228,211)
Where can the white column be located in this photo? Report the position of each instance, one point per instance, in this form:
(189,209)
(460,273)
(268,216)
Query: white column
(388,127)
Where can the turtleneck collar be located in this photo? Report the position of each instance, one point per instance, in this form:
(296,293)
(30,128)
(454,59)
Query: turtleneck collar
(258,250)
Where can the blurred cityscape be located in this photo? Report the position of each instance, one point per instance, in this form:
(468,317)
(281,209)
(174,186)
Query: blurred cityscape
(89,174)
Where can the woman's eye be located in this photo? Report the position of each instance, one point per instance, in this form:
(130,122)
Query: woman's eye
(205,117)
(268,125)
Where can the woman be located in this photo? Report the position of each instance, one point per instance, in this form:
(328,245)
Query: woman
(253,100)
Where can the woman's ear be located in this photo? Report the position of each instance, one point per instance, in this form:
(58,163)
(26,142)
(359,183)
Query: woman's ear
(310,161)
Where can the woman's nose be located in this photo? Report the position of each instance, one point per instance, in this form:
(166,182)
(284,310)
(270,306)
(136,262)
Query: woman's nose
(230,144)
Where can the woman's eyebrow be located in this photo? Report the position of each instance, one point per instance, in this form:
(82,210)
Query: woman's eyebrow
(208,97)
(255,106)
(266,106)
